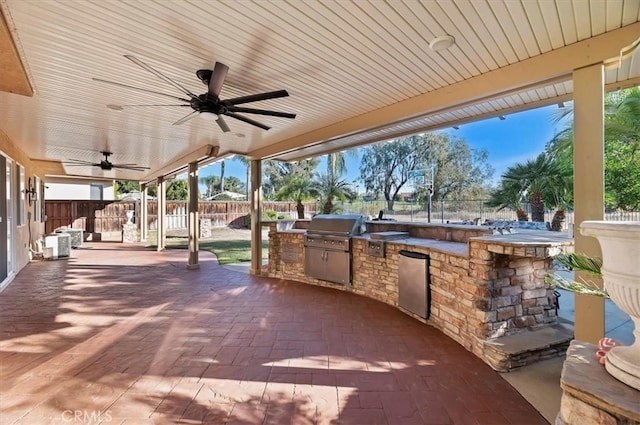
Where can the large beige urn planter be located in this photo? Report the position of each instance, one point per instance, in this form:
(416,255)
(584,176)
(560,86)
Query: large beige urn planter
(620,244)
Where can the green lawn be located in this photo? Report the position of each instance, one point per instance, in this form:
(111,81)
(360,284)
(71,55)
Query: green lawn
(227,251)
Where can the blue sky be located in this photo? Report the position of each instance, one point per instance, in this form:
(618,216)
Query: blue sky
(521,136)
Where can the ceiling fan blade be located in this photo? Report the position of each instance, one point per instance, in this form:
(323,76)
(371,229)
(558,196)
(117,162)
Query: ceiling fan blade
(159,74)
(217,78)
(128,167)
(260,112)
(82,165)
(186,118)
(139,89)
(247,120)
(256,97)
(222,124)
(77,161)
(134,106)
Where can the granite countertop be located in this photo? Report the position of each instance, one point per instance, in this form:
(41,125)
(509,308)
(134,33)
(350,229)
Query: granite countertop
(298,231)
(457,248)
(528,238)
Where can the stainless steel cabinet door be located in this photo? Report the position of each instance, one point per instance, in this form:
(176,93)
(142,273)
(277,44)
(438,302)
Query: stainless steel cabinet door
(338,265)
(314,264)
(412,282)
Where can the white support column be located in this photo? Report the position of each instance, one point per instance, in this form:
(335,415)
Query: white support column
(256,216)
(144,211)
(588,186)
(193,217)
(162,212)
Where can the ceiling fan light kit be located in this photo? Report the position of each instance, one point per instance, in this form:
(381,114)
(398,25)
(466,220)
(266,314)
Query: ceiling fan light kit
(210,101)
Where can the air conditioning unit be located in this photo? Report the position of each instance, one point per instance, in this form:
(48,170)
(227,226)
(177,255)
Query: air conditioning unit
(59,244)
(76,236)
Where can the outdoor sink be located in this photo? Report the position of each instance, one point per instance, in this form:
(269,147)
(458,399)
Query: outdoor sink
(385,236)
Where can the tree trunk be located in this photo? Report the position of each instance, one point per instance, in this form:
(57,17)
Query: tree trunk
(300,208)
(248,179)
(522,215)
(558,220)
(327,208)
(537,207)
(389,204)
(222,176)
(330,165)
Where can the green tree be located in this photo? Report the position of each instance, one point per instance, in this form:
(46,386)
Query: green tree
(337,162)
(247,164)
(222,166)
(212,184)
(234,184)
(622,142)
(177,190)
(622,176)
(297,183)
(331,188)
(385,167)
(544,181)
(458,170)
(450,166)
(125,186)
(508,195)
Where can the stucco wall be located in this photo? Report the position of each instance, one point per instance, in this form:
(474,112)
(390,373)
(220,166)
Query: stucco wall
(21,233)
(63,189)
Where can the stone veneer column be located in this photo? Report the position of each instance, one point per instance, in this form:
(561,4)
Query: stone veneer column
(588,177)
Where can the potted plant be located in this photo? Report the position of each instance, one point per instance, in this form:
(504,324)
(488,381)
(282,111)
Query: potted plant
(620,243)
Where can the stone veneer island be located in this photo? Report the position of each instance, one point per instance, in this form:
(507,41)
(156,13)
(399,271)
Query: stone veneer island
(487,291)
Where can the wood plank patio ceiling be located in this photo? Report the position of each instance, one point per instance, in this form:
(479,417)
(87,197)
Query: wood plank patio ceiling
(338,60)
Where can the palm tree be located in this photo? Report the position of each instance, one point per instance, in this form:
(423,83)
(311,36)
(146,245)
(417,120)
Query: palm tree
(297,183)
(533,178)
(211,183)
(247,163)
(622,121)
(544,181)
(508,196)
(331,188)
(336,164)
(622,141)
(222,176)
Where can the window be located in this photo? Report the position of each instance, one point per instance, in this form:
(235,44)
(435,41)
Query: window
(37,202)
(21,195)
(95,192)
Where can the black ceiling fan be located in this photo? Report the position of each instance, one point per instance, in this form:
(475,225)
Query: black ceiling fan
(209,101)
(105,164)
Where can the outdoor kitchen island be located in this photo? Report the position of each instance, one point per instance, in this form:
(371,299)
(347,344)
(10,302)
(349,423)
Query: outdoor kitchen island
(485,291)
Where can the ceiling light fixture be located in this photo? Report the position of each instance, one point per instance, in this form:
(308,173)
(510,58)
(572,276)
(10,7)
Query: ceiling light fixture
(560,104)
(442,42)
(455,127)
(501,117)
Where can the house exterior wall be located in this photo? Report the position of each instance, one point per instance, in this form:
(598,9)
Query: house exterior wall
(26,234)
(77,189)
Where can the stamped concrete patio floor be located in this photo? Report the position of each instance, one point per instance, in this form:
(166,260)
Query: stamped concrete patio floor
(120,334)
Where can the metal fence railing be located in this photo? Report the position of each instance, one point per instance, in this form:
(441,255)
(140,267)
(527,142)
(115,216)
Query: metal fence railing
(458,211)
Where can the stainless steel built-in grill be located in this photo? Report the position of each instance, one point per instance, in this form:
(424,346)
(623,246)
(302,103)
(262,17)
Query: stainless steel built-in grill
(328,246)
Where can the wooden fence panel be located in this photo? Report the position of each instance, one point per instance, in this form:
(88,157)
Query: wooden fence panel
(108,217)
